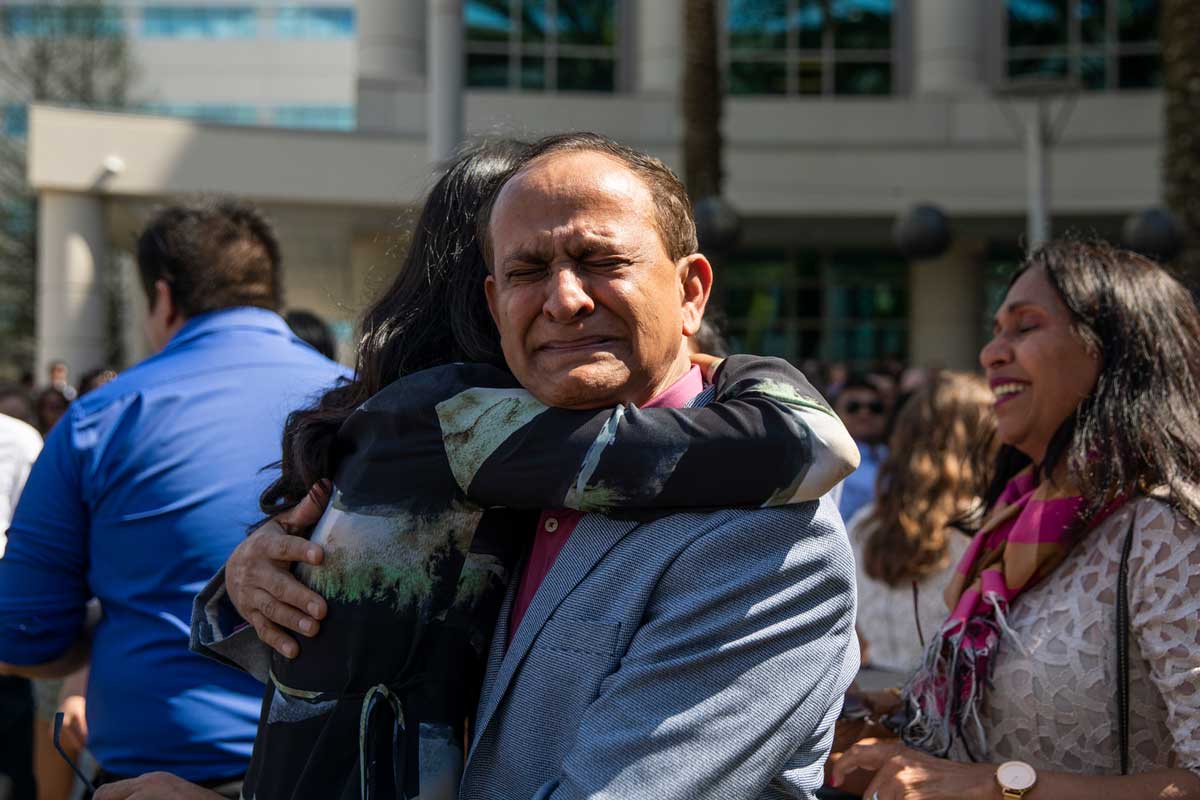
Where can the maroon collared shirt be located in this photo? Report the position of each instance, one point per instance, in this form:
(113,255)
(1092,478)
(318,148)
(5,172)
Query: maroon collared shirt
(555,526)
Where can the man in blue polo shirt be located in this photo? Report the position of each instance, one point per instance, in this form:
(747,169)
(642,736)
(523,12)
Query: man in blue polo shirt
(143,490)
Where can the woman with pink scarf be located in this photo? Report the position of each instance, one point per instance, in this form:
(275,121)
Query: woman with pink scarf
(1069,666)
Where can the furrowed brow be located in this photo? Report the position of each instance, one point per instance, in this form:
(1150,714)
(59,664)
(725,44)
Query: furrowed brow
(526,255)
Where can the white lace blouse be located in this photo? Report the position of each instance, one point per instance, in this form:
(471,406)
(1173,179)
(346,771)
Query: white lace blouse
(1053,699)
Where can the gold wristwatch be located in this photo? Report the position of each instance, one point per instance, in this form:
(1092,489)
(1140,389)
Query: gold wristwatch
(1015,778)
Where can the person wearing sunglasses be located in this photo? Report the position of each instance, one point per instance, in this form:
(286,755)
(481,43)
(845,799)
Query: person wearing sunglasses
(864,413)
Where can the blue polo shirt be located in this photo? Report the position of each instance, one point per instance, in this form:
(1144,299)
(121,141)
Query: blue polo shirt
(141,493)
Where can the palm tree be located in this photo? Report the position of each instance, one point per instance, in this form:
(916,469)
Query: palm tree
(702,171)
(1181,77)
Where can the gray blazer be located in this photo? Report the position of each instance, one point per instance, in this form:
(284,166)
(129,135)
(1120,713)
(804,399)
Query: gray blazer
(696,656)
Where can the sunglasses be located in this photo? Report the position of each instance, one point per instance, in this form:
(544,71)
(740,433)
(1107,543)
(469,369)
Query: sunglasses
(58,723)
(853,407)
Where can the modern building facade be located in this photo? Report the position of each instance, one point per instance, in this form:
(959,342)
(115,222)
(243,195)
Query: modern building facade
(287,63)
(840,115)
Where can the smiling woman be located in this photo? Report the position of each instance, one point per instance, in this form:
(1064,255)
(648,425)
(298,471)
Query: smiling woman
(1090,538)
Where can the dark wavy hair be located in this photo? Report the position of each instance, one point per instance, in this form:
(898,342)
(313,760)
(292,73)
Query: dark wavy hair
(1143,416)
(434,313)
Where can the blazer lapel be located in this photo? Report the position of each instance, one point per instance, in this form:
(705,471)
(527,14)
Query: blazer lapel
(589,542)
(496,652)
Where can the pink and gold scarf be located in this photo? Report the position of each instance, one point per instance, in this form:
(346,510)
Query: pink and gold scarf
(1028,533)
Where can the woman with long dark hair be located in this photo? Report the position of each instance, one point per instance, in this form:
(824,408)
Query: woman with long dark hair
(1070,664)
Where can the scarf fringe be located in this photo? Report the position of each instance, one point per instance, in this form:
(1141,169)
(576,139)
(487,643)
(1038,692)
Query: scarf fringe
(945,694)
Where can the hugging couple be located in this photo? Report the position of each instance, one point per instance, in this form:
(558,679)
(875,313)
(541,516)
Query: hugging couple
(536,548)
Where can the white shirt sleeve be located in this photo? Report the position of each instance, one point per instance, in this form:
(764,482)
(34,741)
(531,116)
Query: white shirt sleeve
(19,448)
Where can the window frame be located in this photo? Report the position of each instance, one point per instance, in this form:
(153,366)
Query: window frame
(515,49)
(1074,50)
(898,56)
(832,269)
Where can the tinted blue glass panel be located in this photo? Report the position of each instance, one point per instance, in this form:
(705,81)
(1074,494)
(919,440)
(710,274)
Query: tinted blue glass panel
(16,218)
(329,118)
(310,22)
(587,22)
(758,24)
(1037,22)
(197,22)
(488,71)
(1137,20)
(227,114)
(68,20)
(15,120)
(862,24)
(533,20)
(487,20)
(1091,20)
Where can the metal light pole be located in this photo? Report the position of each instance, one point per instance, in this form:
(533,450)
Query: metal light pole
(1039,133)
(444,66)
(1037,176)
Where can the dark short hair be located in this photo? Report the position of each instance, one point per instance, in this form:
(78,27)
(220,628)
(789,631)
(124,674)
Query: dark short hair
(313,330)
(19,402)
(672,206)
(214,254)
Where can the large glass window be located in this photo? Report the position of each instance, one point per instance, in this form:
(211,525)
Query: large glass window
(542,45)
(61,20)
(199,22)
(314,22)
(1102,44)
(330,118)
(810,47)
(837,306)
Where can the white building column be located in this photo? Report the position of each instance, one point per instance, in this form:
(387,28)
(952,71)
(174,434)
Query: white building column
(946,307)
(658,49)
(72,312)
(948,46)
(391,61)
(446,67)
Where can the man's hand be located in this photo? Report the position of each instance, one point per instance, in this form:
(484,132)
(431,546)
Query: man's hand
(260,583)
(154,786)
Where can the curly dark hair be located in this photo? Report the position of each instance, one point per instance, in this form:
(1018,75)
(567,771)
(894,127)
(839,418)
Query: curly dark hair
(434,313)
(1142,416)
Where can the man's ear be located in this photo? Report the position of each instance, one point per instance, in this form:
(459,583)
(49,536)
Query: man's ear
(164,304)
(489,290)
(696,277)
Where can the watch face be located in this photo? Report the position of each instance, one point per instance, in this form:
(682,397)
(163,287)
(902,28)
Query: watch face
(1016,775)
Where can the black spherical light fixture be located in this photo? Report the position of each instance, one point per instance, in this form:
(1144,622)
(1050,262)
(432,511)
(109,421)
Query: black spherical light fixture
(923,231)
(718,225)
(1154,233)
